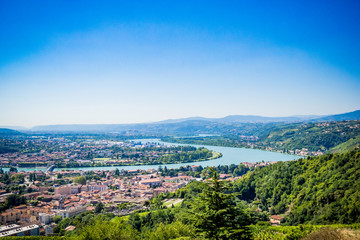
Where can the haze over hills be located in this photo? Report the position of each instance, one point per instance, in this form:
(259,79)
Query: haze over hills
(245,119)
(8,131)
(188,123)
(355,115)
(17,128)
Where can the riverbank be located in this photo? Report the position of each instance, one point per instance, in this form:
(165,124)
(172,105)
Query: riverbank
(229,155)
(215,155)
(209,142)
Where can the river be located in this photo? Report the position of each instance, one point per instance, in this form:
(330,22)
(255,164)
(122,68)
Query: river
(230,155)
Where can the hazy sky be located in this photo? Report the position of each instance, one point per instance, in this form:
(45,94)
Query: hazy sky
(64,62)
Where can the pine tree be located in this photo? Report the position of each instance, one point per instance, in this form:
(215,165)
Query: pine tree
(215,214)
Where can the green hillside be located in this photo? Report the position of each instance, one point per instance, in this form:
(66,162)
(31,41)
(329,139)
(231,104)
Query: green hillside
(316,190)
(353,143)
(313,136)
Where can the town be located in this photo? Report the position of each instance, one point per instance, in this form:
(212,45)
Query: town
(34,202)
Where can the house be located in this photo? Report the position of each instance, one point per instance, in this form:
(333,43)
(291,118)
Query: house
(151,182)
(275,220)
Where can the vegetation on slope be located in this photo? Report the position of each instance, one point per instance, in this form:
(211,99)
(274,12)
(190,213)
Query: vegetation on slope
(314,136)
(352,144)
(316,190)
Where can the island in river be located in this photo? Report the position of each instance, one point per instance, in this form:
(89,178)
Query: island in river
(196,154)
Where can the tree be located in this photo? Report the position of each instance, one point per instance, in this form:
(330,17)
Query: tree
(80,180)
(146,204)
(175,230)
(108,230)
(135,221)
(99,207)
(215,214)
(57,219)
(12,201)
(18,178)
(5,178)
(157,203)
(117,172)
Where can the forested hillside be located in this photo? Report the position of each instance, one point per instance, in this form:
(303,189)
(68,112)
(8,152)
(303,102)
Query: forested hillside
(314,136)
(316,190)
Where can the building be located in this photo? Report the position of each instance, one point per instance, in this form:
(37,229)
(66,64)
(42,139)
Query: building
(70,212)
(11,216)
(32,195)
(46,218)
(151,182)
(67,190)
(8,227)
(96,187)
(31,230)
(275,220)
(49,229)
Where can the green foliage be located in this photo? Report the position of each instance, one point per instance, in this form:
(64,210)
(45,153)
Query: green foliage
(151,219)
(317,190)
(105,230)
(57,219)
(99,207)
(306,232)
(215,214)
(82,220)
(312,136)
(352,144)
(173,230)
(20,178)
(5,178)
(12,201)
(146,156)
(8,145)
(80,180)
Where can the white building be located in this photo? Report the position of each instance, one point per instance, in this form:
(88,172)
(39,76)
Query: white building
(32,230)
(97,187)
(70,212)
(46,218)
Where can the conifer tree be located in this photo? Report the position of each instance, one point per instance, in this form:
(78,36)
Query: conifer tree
(215,214)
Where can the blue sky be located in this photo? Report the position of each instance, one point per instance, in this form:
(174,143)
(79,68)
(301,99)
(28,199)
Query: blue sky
(65,62)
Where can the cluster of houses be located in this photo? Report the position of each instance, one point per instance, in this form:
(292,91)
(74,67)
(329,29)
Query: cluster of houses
(72,199)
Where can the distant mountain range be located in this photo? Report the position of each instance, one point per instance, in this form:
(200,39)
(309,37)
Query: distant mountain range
(8,131)
(189,123)
(245,119)
(355,115)
(17,128)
